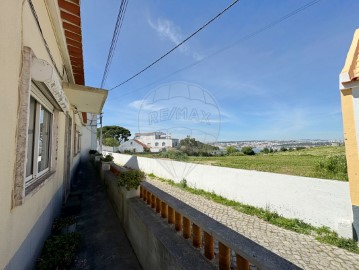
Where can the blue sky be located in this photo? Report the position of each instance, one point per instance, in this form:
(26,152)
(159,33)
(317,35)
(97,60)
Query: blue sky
(280,84)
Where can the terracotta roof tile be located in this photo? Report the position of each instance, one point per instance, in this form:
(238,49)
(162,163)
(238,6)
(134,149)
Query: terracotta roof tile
(71,21)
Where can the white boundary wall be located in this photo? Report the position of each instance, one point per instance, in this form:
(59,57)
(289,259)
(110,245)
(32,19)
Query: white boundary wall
(316,201)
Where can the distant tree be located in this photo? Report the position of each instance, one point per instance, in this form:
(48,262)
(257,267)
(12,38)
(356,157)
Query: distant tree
(121,134)
(231,149)
(113,142)
(192,147)
(265,150)
(283,149)
(271,150)
(247,150)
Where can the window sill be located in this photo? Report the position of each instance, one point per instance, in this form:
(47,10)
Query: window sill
(40,182)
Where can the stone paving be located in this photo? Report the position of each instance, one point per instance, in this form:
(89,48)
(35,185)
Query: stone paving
(302,250)
(104,242)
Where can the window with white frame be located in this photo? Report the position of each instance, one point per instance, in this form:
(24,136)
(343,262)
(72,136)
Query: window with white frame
(40,119)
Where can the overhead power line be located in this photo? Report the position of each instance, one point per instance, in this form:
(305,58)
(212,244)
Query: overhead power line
(178,45)
(116,32)
(244,38)
(33,11)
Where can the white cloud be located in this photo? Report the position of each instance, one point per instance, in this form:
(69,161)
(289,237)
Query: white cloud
(144,105)
(170,31)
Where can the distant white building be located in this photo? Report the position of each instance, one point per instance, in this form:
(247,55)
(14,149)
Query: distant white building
(133,146)
(157,141)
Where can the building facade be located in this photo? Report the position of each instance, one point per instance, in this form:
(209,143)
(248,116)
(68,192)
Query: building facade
(48,118)
(349,91)
(157,141)
(133,146)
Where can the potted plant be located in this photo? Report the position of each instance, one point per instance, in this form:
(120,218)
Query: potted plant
(98,157)
(129,182)
(107,159)
(64,225)
(92,153)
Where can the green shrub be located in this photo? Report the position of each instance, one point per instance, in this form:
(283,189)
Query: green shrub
(335,166)
(130,179)
(107,158)
(248,151)
(174,154)
(183,183)
(231,149)
(58,252)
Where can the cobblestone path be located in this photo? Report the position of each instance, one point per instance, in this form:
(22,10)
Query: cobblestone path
(302,250)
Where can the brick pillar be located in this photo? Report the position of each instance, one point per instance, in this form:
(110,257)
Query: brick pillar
(164,210)
(242,263)
(171,215)
(197,236)
(178,221)
(224,257)
(208,246)
(158,205)
(186,228)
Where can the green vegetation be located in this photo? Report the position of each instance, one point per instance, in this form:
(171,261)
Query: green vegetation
(335,166)
(248,151)
(320,162)
(113,135)
(130,179)
(107,158)
(322,234)
(59,251)
(191,147)
(231,149)
(173,154)
(113,142)
(325,162)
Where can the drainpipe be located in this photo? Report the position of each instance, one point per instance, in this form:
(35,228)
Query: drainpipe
(101,132)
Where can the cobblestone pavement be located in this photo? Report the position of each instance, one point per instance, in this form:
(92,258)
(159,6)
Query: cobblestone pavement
(302,250)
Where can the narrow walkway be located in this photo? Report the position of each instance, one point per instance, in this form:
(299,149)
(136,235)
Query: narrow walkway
(104,242)
(302,250)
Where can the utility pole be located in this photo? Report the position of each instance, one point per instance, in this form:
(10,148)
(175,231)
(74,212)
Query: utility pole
(101,132)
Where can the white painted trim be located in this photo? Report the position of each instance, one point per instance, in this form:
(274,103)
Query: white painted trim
(348,85)
(44,72)
(40,97)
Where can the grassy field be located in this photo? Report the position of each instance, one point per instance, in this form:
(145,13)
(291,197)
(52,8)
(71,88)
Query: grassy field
(304,162)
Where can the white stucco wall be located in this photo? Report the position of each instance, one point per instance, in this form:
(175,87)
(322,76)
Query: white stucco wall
(130,145)
(316,201)
(88,136)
